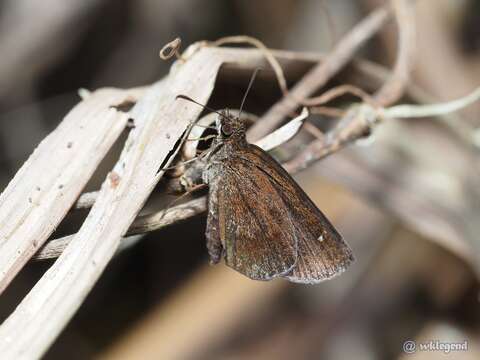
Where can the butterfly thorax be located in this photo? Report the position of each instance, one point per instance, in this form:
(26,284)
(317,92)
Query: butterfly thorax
(231,140)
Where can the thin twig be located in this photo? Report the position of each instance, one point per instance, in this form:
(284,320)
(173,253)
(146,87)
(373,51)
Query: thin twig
(415,111)
(342,90)
(266,52)
(358,121)
(142,224)
(393,89)
(354,125)
(324,71)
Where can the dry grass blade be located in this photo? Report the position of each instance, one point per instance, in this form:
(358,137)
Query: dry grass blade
(47,185)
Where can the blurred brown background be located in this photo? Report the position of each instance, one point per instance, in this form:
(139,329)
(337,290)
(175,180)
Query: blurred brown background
(160,299)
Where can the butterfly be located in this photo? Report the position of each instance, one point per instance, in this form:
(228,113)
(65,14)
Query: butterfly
(260,221)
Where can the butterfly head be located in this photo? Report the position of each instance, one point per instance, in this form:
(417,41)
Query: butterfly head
(229,126)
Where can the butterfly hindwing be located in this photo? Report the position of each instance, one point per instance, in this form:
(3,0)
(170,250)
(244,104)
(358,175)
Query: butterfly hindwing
(322,253)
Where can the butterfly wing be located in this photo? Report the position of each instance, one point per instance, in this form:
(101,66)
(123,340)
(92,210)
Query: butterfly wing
(322,253)
(214,243)
(248,219)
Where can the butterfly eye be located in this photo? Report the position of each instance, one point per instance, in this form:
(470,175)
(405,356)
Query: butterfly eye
(226,129)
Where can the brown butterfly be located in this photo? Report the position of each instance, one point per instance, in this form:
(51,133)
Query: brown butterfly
(259,219)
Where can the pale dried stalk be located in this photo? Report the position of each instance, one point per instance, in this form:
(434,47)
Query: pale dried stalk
(160,121)
(46,186)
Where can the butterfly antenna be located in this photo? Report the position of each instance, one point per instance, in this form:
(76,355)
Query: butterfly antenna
(184,97)
(252,79)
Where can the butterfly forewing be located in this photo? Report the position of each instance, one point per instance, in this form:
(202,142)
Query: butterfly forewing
(251,222)
(321,251)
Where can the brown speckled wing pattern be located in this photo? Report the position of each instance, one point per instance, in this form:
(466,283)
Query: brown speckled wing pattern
(266,226)
(255,232)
